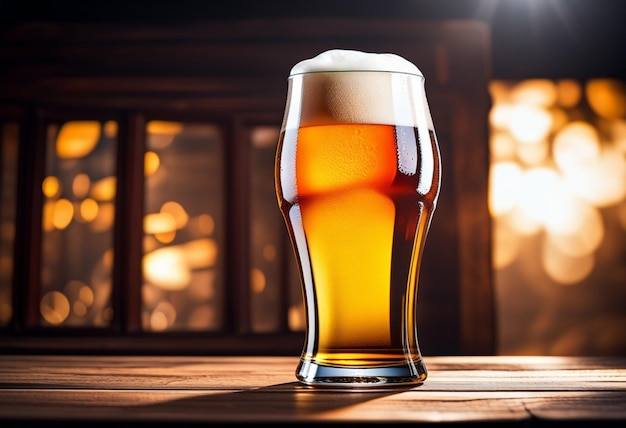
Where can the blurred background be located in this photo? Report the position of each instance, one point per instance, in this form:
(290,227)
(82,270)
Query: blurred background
(556,195)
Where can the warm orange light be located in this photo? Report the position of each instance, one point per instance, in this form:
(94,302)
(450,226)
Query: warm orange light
(105,217)
(51,186)
(79,308)
(537,192)
(80,185)
(160,134)
(88,209)
(296,318)
(521,222)
(264,137)
(568,92)
(534,154)
(159,223)
(47,215)
(504,187)
(506,245)
(530,124)
(269,252)
(564,269)
(54,307)
(177,212)
(500,115)
(607,97)
(77,139)
(206,224)
(151,163)
(257,281)
(536,92)
(575,146)
(167,268)
(163,316)
(104,189)
(165,237)
(585,234)
(164,127)
(618,135)
(602,180)
(62,213)
(200,253)
(85,295)
(110,128)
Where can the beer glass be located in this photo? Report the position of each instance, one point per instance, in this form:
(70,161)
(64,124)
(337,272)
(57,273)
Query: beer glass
(357,180)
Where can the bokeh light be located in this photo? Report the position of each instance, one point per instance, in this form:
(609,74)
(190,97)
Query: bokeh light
(54,307)
(51,187)
(151,163)
(88,209)
(77,139)
(568,92)
(607,97)
(167,268)
(557,197)
(504,186)
(177,212)
(80,185)
(159,223)
(161,134)
(257,280)
(62,213)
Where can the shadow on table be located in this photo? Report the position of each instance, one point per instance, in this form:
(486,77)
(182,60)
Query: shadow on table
(282,402)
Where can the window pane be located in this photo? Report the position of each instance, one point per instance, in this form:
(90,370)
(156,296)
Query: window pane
(265,276)
(77,223)
(272,260)
(183,263)
(8,186)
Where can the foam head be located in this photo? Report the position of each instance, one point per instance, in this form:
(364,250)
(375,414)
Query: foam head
(351,60)
(347,86)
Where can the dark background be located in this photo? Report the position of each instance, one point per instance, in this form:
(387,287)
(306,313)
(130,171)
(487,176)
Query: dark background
(530,38)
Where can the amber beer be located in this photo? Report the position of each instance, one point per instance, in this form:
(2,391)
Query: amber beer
(357,188)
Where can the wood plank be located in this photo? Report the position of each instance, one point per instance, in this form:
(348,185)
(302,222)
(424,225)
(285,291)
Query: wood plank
(293,402)
(517,390)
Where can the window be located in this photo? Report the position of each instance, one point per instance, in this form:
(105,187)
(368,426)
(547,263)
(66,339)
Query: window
(184,227)
(77,219)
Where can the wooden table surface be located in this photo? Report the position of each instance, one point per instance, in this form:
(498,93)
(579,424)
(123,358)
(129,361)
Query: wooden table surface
(524,391)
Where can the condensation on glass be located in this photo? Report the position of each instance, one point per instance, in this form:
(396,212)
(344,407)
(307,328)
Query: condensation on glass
(8,194)
(184,226)
(274,281)
(78,189)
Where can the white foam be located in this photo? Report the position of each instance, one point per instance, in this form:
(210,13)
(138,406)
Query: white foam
(352,60)
(345,86)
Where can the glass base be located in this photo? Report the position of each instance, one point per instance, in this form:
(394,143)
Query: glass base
(410,373)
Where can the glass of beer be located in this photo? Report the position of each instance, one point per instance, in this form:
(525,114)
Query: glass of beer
(357,180)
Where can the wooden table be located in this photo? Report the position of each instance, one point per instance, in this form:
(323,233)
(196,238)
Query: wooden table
(93,390)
